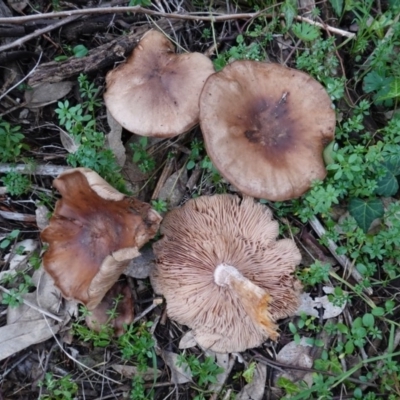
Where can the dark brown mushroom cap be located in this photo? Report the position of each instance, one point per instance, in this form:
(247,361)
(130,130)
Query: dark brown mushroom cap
(223,273)
(265,127)
(93,234)
(156,92)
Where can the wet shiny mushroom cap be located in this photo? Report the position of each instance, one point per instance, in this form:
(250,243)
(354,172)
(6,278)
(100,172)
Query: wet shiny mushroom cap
(224,274)
(265,127)
(156,91)
(93,234)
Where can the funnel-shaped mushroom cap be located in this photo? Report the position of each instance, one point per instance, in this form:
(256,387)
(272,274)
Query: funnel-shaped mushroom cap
(93,234)
(223,273)
(265,127)
(156,92)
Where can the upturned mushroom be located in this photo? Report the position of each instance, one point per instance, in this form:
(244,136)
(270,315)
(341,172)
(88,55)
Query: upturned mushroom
(224,274)
(156,91)
(265,127)
(93,234)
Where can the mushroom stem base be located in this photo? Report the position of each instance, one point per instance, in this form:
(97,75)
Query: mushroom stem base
(255,300)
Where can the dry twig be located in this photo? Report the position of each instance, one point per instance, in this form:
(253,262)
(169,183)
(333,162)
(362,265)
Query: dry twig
(17,216)
(36,33)
(215,17)
(134,9)
(48,169)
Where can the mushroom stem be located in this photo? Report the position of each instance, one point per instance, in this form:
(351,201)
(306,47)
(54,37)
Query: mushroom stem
(254,299)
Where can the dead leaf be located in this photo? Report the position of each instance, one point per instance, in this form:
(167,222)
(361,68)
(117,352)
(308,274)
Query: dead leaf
(26,325)
(18,336)
(310,306)
(255,389)
(17,5)
(297,355)
(114,140)
(46,93)
(42,216)
(187,341)
(129,371)
(174,188)
(46,296)
(68,141)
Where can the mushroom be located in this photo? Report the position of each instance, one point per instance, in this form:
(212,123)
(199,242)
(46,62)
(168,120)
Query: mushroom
(93,234)
(223,274)
(156,92)
(265,127)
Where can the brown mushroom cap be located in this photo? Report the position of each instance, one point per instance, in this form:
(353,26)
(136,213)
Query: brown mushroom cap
(156,92)
(223,273)
(93,234)
(265,127)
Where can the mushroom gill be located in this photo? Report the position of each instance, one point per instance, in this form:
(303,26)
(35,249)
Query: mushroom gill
(224,274)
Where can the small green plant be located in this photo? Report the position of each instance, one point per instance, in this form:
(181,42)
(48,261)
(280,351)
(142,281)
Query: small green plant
(320,61)
(14,297)
(80,122)
(314,274)
(248,373)
(211,175)
(16,183)
(89,93)
(78,51)
(339,297)
(10,142)
(204,372)
(35,260)
(159,205)
(257,37)
(104,336)
(196,152)
(58,388)
(288,386)
(143,3)
(10,238)
(136,343)
(138,391)
(306,32)
(141,157)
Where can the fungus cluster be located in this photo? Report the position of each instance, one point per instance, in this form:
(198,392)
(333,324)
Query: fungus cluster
(264,125)
(224,274)
(219,265)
